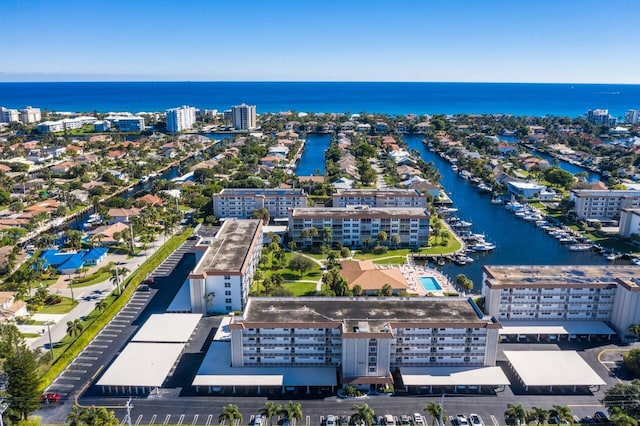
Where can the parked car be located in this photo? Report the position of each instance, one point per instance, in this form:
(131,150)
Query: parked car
(461,420)
(389,420)
(259,420)
(405,420)
(344,421)
(49,397)
(418,420)
(330,420)
(143,287)
(601,417)
(475,420)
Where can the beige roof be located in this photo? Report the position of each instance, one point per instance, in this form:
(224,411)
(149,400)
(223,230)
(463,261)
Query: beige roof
(453,376)
(552,368)
(365,274)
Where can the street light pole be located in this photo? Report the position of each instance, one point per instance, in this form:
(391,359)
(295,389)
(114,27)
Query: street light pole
(73,299)
(441,410)
(50,341)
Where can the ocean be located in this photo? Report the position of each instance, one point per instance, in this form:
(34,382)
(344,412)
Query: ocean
(391,98)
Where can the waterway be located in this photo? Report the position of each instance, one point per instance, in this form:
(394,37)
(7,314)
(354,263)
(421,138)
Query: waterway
(518,242)
(564,165)
(312,160)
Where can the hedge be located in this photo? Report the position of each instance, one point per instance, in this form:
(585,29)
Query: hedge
(74,349)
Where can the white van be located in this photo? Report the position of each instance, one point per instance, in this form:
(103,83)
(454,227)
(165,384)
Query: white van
(389,420)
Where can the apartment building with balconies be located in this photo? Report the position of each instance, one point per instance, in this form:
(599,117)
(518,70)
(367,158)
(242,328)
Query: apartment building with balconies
(603,204)
(353,225)
(379,198)
(539,295)
(242,202)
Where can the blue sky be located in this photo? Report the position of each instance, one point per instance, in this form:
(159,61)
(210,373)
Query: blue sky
(578,41)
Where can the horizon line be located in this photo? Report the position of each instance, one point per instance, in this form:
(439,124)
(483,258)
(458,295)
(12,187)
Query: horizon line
(316,81)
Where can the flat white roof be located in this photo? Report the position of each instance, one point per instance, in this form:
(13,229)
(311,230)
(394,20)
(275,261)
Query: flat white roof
(555,327)
(525,185)
(182,300)
(168,328)
(453,376)
(552,368)
(142,364)
(216,370)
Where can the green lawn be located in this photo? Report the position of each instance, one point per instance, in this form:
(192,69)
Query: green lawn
(301,289)
(314,274)
(30,335)
(397,260)
(452,246)
(97,278)
(61,308)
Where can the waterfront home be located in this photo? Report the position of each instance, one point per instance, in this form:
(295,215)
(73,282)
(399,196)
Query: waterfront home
(122,215)
(70,262)
(530,191)
(343,183)
(109,234)
(62,168)
(505,149)
(10,308)
(370,278)
(149,200)
(271,160)
(118,175)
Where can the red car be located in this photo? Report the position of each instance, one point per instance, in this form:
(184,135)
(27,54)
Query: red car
(49,397)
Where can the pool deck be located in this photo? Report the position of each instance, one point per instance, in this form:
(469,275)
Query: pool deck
(413,273)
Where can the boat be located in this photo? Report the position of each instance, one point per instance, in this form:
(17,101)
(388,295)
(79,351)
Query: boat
(567,240)
(635,261)
(446,210)
(497,200)
(440,261)
(463,224)
(613,256)
(464,174)
(475,179)
(484,246)
(483,187)
(454,168)
(144,179)
(579,247)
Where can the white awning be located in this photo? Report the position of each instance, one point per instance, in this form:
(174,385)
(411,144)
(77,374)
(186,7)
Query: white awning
(552,368)
(216,370)
(142,364)
(453,376)
(168,328)
(555,327)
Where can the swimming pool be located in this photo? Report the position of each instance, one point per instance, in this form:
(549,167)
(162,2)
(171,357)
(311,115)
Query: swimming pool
(429,283)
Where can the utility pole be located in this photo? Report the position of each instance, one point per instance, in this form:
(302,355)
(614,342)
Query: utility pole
(118,279)
(50,341)
(3,408)
(441,410)
(133,247)
(129,407)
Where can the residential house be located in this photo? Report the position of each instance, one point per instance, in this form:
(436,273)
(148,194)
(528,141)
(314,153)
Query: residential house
(122,215)
(10,308)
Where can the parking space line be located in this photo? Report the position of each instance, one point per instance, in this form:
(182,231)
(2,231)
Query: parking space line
(103,340)
(99,346)
(139,420)
(82,364)
(181,419)
(63,377)
(494,420)
(88,351)
(56,385)
(195,419)
(108,335)
(166,419)
(153,419)
(77,371)
(92,358)
(209,418)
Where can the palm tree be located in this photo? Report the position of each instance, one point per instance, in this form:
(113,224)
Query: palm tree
(395,239)
(101,305)
(76,417)
(540,414)
(435,411)
(620,418)
(515,414)
(231,413)
(270,410)
(363,413)
(635,329)
(562,412)
(292,410)
(100,416)
(75,327)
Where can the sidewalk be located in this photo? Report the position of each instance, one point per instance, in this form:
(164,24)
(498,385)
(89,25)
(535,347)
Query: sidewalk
(87,297)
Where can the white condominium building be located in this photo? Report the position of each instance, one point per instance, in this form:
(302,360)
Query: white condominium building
(8,115)
(30,115)
(632,116)
(242,202)
(379,198)
(563,294)
(353,225)
(221,280)
(603,204)
(127,123)
(181,118)
(365,339)
(244,117)
(629,222)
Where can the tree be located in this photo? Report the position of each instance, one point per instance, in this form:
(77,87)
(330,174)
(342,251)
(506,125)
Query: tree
(395,240)
(559,177)
(101,305)
(357,290)
(345,252)
(74,238)
(23,382)
(292,245)
(270,410)
(331,260)
(435,411)
(292,410)
(386,290)
(540,414)
(464,282)
(262,214)
(515,414)
(562,412)
(382,237)
(620,418)
(76,417)
(99,416)
(363,413)
(635,329)
(230,412)
(327,235)
(627,397)
(75,327)
(300,263)
(631,361)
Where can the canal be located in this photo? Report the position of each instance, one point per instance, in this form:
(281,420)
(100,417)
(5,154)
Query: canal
(312,160)
(518,242)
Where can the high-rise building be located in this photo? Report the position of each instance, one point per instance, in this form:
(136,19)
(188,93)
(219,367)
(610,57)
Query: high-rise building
(30,115)
(182,118)
(600,116)
(244,117)
(632,116)
(9,115)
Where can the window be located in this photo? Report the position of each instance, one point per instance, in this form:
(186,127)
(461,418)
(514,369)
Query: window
(227,300)
(227,277)
(372,369)
(228,308)
(227,285)
(227,293)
